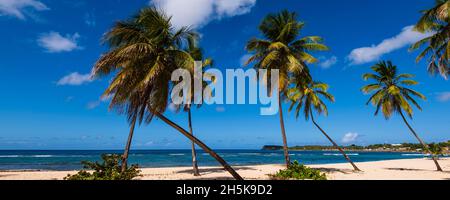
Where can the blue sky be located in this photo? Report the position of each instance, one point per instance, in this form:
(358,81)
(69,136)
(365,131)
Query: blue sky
(48,100)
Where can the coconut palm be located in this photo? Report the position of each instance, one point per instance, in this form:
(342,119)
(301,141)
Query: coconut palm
(436,150)
(306,97)
(282,50)
(197,54)
(144,51)
(435,21)
(391,95)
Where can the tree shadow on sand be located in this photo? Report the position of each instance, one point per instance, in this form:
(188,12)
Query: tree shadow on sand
(406,169)
(213,170)
(333,170)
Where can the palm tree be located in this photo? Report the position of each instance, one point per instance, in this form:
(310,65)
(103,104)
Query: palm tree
(144,51)
(282,50)
(436,150)
(436,21)
(391,95)
(305,96)
(197,54)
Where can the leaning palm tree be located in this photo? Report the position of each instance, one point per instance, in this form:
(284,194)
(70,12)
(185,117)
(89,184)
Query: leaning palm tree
(282,50)
(305,96)
(197,54)
(435,21)
(144,51)
(391,95)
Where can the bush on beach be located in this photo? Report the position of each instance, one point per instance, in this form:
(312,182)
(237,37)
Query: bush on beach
(299,172)
(109,169)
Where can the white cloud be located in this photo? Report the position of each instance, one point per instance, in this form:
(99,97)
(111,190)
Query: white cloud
(443,96)
(19,8)
(368,54)
(54,42)
(327,63)
(350,137)
(197,13)
(75,79)
(92,105)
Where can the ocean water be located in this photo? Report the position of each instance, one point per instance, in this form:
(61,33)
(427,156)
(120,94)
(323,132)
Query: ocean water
(70,159)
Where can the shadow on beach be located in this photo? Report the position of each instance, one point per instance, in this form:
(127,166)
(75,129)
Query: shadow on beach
(213,170)
(332,170)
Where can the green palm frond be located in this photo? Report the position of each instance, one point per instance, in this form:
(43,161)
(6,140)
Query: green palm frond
(389,91)
(281,49)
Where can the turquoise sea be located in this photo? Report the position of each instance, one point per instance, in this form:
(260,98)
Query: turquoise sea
(70,159)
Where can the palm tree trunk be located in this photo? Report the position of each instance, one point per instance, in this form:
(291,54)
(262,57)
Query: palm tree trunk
(426,147)
(334,143)
(283,132)
(201,145)
(194,154)
(128,145)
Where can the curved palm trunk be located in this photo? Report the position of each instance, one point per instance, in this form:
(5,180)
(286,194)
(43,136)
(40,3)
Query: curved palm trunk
(426,147)
(334,143)
(201,145)
(194,154)
(128,145)
(283,132)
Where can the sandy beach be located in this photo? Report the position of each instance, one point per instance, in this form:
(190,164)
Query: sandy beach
(406,169)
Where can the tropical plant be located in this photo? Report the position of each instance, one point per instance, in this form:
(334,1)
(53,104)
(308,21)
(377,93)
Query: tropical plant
(391,95)
(299,172)
(144,51)
(436,150)
(109,169)
(197,54)
(436,22)
(282,50)
(306,96)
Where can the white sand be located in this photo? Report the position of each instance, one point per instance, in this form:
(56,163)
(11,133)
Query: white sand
(407,169)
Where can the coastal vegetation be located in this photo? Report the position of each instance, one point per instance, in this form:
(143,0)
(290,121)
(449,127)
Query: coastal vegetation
(297,171)
(435,21)
(143,52)
(391,95)
(403,147)
(197,55)
(109,169)
(306,97)
(145,49)
(282,49)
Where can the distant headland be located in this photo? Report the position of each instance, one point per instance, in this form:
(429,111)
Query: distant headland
(440,148)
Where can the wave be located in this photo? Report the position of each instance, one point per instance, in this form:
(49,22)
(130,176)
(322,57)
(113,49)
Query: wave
(414,154)
(176,154)
(25,156)
(9,156)
(338,154)
(272,154)
(249,154)
(42,156)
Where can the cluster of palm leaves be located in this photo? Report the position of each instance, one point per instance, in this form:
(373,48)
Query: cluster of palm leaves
(145,49)
(281,49)
(390,94)
(437,46)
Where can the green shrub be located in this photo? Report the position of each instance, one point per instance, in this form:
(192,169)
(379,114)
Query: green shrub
(109,169)
(299,172)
